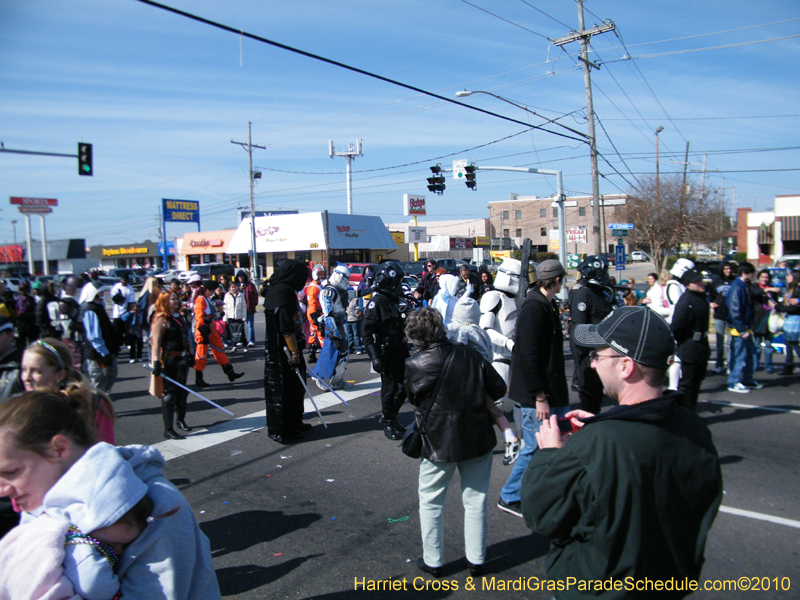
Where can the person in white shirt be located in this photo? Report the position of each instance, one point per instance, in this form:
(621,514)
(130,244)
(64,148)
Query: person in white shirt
(235,315)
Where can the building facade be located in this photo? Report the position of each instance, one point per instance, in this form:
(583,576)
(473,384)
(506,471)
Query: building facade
(536,218)
(765,236)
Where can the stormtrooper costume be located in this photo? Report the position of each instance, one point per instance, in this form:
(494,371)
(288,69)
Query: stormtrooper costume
(499,319)
(334,300)
(674,290)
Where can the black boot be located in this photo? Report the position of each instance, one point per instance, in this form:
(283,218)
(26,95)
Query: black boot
(390,430)
(168,412)
(198,379)
(228,370)
(312,354)
(181,423)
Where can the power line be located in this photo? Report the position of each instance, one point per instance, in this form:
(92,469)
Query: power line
(506,20)
(546,15)
(335,63)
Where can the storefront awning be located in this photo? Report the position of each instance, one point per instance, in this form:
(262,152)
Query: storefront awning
(790,228)
(766,234)
(306,231)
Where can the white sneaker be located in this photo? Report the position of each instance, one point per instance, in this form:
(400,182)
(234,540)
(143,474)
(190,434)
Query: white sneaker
(250,344)
(738,388)
(131,361)
(753,386)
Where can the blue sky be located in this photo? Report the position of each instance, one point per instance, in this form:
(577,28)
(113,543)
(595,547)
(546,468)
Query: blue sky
(160,97)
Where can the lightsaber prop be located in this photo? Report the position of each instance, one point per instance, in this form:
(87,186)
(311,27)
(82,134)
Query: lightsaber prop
(180,385)
(303,383)
(325,383)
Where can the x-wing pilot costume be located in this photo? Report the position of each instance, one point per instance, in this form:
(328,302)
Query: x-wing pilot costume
(382,334)
(314,312)
(334,300)
(499,319)
(590,301)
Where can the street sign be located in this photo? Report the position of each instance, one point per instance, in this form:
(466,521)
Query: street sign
(459,169)
(620,225)
(619,232)
(619,257)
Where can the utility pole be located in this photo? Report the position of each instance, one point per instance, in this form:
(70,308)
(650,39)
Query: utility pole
(249,147)
(349,154)
(584,37)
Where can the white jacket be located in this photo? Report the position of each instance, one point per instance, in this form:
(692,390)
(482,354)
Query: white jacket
(235,307)
(658,298)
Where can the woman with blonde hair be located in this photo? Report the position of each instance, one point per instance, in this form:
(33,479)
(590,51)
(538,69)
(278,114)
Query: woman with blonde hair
(172,355)
(47,366)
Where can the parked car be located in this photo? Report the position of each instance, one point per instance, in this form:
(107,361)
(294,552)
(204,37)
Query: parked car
(792,260)
(133,278)
(167,276)
(638,256)
(609,256)
(212,271)
(357,271)
(413,267)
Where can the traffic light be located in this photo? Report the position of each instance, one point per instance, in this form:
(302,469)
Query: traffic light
(469,174)
(84,159)
(436,182)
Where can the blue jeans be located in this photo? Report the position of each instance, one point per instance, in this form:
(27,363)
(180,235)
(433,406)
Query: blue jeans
(744,355)
(251,327)
(720,328)
(530,425)
(353,338)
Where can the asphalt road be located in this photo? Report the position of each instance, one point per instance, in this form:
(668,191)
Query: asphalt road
(314,519)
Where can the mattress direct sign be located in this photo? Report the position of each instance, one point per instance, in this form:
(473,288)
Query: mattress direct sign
(181,211)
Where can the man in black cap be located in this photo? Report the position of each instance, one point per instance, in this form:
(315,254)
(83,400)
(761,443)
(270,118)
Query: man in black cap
(538,381)
(690,327)
(633,492)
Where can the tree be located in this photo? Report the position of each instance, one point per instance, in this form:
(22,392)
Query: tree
(666,214)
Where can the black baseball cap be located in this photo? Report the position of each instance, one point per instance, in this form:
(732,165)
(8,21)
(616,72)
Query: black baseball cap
(634,331)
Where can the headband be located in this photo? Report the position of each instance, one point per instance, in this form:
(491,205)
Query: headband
(53,351)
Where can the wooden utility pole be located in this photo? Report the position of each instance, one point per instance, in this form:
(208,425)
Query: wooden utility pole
(584,37)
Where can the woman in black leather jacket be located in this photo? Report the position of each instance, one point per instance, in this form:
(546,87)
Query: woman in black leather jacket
(457,434)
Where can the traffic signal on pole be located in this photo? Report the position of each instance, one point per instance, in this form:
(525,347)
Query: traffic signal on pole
(84,159)
(436,181)
(469,174)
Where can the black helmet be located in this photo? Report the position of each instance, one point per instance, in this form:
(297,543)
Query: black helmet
(594,270)
(389,279)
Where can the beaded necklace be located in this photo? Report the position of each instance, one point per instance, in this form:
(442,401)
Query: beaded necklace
(75,537)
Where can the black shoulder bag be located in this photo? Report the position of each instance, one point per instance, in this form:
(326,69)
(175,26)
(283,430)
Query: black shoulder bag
(412,440)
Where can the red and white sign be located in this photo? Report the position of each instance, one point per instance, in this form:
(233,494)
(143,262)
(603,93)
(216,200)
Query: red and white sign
(18,201)
(576,235)
(40,210)
(413,205)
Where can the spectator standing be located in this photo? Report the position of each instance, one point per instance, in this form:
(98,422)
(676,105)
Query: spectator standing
(608,497)
(71,324)
(721,286)
(101,343)
(690,327)
(538,373)
(27,330)
(656,297)
(487,282)
(48,317)
(764,296)
(133,331)
(10,360)
(355,312)
(469,280)
(453,390)
(251,299)
(235,315)
(121,294)
(740,326)
(428,283)
(791,325)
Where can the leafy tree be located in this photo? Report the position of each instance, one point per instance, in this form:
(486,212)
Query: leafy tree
(666,213)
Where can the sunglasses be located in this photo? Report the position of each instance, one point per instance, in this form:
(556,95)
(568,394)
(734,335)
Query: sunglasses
(597,357)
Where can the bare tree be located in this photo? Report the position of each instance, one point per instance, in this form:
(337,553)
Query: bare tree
(666,213)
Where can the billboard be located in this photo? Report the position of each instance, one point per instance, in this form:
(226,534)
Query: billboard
(181,211)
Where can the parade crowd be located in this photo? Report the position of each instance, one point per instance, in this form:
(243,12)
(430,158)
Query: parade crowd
(629,491)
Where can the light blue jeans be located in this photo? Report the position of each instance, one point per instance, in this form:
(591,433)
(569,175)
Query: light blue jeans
(744,356)
(433,481)
(251,327)
(530,425)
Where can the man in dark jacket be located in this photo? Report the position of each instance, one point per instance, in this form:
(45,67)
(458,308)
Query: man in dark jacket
(744,353)
(720,287)
(690,327)
(427,283)
(101,344)
(538,380)
(251,299)
(631,495)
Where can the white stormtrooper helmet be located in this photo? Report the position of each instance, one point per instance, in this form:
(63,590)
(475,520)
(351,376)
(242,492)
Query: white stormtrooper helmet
(340,277)
(508,276)
(680,267)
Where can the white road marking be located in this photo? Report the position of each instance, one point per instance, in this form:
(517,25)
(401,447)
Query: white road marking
(234,428)
(754,406)
(761,516)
